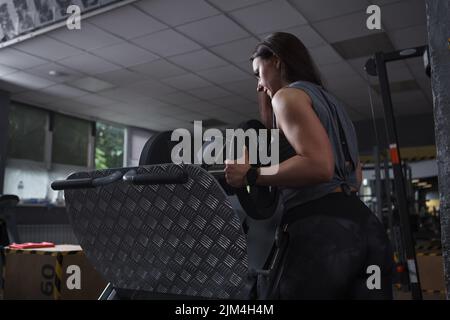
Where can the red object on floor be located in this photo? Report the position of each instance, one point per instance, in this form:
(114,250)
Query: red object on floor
(400,268)
(31,245)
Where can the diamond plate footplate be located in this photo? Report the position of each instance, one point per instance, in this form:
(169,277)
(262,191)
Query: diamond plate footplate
(178,239)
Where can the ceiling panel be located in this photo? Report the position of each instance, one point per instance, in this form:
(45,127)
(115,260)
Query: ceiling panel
(48,48)
(246,66)
(316,10)
(159,69)
(409,37)
(398,71)
(63,73)
(246,88)
(210,92)
(338,70)
(27,80)
(4,70)
(198,60)
(363,46)
(403,14)
(118,22)
(268,16)
(170,110)
(148,105)
(344,27)
(16,59)
(231,102)
(213,31)
(178,98)
(151,88)
(232,118)
(167,43)
(323,55)
(123,94)
(358,65)
(224,74)
(191,116)
(95,100)
(187,82)
(307,35)
(64,91)
(89,64)
(352,89)
(125,54)
(89,37)
(230,5)
(176,12)
(91,84)
(122,77)
(237,51)
(68,105)
(33,97)
(115,113)
(11,87)
(202,107)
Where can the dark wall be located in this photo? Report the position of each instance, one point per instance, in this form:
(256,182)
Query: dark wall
(4,112)
(413,131)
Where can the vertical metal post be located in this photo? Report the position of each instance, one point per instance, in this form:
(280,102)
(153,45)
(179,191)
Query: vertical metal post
(4,129)
(400,189)
(376,156)
(48,148)
(387,187)
(91,146)
(127,146)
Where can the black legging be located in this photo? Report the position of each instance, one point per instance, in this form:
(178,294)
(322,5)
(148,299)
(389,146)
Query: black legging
(332,241)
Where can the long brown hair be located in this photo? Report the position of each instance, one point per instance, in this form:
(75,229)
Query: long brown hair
(296,65)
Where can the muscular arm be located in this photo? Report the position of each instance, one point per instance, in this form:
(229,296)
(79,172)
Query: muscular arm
(359,175)
(314,162)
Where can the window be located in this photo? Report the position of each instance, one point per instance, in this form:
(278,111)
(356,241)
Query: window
(70,141)
(37,156)
(136,141)
(27,126)
(29,169)
(109,146)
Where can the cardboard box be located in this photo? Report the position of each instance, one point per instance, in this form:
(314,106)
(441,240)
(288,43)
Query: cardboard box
(431,272)
(62,272)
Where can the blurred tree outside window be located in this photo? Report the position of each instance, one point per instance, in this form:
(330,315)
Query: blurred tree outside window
(109,146)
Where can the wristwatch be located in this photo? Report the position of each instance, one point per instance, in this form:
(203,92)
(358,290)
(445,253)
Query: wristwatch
(251,176)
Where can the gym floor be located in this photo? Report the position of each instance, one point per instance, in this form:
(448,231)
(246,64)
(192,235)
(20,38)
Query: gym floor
(88,87)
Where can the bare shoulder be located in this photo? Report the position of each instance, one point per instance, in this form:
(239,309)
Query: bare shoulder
(287,98)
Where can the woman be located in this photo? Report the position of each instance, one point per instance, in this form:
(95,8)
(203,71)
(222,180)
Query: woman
(333,236)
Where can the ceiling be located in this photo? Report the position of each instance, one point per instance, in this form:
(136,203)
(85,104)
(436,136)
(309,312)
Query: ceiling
(160,64)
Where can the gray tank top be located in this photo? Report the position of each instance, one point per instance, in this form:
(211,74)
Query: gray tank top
(341,133)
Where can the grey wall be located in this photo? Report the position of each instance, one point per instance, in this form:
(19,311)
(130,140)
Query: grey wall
(413,131)
(4,112)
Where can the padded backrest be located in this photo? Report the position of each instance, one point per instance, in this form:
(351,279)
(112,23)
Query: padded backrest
(157,149)
(183,239)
